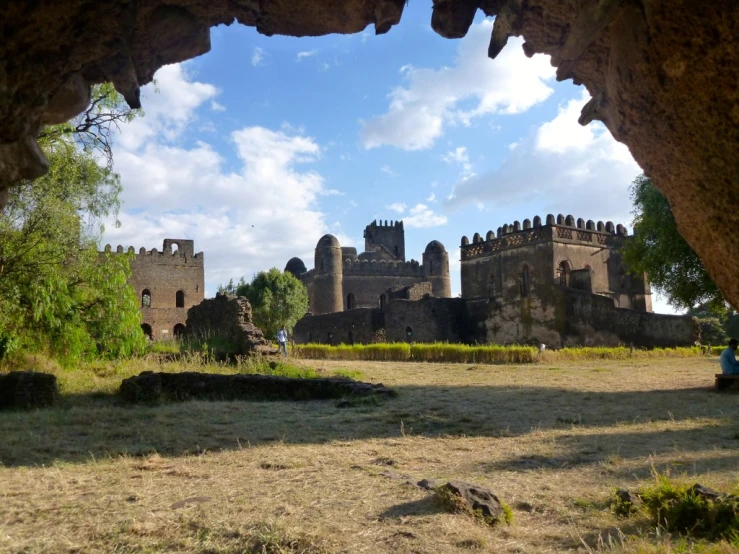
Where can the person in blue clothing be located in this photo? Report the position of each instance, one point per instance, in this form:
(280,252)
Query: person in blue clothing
(282,340)
(729,365)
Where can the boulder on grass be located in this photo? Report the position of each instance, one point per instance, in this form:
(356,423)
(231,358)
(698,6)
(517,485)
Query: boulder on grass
(467,497)
(27,390)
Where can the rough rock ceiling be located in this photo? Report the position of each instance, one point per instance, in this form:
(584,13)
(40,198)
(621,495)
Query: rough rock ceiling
(664,76)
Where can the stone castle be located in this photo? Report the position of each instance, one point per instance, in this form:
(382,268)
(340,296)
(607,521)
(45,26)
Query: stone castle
(344,280)
(167,284)
(558,282)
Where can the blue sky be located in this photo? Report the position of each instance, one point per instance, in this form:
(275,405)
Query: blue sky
(261,146)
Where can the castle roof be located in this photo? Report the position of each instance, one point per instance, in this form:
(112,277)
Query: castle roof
(434,246)
(328,241)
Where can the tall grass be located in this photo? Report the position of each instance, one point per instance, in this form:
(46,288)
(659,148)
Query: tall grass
(482,354)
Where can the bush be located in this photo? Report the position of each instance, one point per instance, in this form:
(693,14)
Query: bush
(692,509)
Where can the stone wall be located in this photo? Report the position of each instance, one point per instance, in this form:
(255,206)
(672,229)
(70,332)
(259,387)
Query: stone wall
(358,326)
(27,390)
(559,316)
(427,320)
(228,318)
(177,269)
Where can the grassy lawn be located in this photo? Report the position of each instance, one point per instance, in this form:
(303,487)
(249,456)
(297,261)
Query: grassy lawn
(552,439)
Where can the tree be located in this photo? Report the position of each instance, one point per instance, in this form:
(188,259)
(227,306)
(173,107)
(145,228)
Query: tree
(277,298)
(57,293)
(658,249)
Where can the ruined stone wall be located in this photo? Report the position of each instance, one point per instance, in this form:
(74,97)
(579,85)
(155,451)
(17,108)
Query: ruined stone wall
(367,289)
(228,318)
(358,326)
(164,274)
(413,292)
(559,316)
(427,320)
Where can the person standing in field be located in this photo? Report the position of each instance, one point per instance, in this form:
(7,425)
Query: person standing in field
(729,365)
(282,340)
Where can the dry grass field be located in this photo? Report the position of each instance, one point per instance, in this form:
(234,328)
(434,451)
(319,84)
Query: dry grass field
(553,441)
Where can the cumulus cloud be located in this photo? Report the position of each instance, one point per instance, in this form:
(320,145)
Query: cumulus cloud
(430,99)
(246,217)
(306,54)
(421,216)
(397,207)
(257,57)
(389,170)
(217,107)
(563,167)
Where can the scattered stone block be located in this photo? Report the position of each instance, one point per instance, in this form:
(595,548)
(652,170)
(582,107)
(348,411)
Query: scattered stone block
(151,387)
(27,390)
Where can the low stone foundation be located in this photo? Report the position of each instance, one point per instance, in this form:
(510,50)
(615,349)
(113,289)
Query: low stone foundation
(27,390)
(151,387)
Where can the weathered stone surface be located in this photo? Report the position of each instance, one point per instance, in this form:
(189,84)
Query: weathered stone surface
(150,387)
(477,498)
(27,390)
(229,318)
(663,75)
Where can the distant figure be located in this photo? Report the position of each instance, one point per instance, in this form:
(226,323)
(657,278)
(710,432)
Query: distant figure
(729,365)
(282,340)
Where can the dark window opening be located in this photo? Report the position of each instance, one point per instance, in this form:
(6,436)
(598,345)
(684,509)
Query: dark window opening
(351,338)
(397,251)
(491,286)
(431,267)
(525,284)
(145,298)
(180,299)
(351,302)
(564,273)
(329,337)
(408,334)
(146,328)
(383,301)
(178,331)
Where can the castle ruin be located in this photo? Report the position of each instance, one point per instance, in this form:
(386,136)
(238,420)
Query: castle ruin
(167,283)
(559,282)
(344,280)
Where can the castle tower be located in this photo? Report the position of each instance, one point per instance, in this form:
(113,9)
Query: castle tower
(389,237)
(436,269)
(328,277)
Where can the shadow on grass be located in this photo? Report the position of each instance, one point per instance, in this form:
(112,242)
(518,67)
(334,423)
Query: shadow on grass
(592,426)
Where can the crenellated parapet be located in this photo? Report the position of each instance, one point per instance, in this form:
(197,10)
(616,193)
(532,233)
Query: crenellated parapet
(182,254)
(559,229)
(382,267)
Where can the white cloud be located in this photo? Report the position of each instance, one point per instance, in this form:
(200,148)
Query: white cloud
(421,216)
(257,57)
(397,207)
(245,217)
(305,54)
(217,107)
(389,170)
(431,198)
(563,167)
(431,99)
(459,156)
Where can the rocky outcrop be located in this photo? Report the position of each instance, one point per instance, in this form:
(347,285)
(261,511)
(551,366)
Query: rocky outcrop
(151,387)
(662,73)
(27,390)
(229,319)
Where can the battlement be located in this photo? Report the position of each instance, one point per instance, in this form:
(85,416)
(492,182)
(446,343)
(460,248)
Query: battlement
(375,224)
(184,253)
(373,267)
(561,228)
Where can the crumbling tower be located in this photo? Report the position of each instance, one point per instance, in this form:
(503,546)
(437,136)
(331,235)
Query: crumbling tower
(388,238)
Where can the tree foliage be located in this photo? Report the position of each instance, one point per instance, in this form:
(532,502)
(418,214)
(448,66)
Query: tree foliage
(57,293)
(658,249)
(277,298)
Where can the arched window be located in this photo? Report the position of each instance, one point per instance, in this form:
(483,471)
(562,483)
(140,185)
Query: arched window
(351,302)
(351,337)
(173,248)
(145,298)
(180,299)
(431,266)
(178,330)
(525,284)
(397,252)
(408,334)
(146,328)
(564,273)
(383,301)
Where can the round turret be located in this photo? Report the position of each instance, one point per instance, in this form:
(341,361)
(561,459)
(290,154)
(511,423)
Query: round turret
(296,267)
(328,277)
(436,269)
